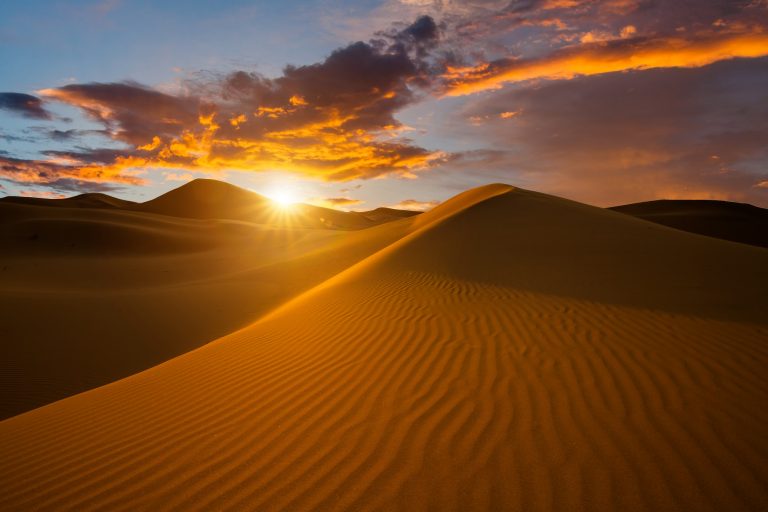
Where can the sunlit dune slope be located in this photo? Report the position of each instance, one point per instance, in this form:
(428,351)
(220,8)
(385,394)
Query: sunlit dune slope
(513,351)
(88,296)
(737,222)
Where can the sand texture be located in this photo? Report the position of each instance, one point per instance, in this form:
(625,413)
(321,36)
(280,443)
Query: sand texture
(508,350)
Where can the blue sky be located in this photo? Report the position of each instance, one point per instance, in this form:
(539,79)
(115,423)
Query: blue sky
(479,91)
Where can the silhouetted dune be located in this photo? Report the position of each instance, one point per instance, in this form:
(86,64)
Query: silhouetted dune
(211,199)
(508,350)
(383,214)
(736,222)
(57,232)
(90,200)
(206,199)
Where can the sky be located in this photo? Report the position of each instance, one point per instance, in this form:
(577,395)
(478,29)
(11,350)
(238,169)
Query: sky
(402,103)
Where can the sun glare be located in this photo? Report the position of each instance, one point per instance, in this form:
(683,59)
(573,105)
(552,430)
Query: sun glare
(283,197)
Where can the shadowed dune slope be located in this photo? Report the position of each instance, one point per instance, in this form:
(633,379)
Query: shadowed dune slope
(736,222)
(387,214)
(206,199)
(89,296)
(90,200)
(502,355)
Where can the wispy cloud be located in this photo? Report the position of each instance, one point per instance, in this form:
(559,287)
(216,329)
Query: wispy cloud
(24,104)
(607,57)
(342,203)
(415,205)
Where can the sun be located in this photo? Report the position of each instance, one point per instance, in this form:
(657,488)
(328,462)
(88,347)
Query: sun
(283,197)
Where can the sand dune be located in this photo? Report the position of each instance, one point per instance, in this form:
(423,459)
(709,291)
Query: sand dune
(88,296)
(211,199)
(507,351)
(90,200)
(736,222)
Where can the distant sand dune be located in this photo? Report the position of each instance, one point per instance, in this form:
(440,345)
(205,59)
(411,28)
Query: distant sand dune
(89,200)
(504,354)
(737,222)
(92,295)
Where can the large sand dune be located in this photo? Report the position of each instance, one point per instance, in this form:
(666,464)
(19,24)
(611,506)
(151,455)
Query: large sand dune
(507,351)
(90,294)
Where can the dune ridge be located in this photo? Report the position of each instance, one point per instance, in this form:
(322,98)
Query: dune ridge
(436,374)
(737,222)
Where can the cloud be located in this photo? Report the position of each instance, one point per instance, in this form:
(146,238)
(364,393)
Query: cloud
(80,186)
(25,105)
(335,202)
(174,176)
(333,120)
(15,138)
(62,172)
(415,205)
(65,186)
(607,57)
(620,138)
(66,135)
(131,113)
(42,194)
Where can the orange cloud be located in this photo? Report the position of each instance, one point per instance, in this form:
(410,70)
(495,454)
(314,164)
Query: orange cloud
(58,170)
(297,100)
(45,194)
(335,202)
(323,149)
(326,120)
(607,57)
(156,142)
(415,205)
(238,120)
(173,176)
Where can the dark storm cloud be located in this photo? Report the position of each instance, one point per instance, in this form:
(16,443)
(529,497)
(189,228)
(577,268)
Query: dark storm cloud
(24,104)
